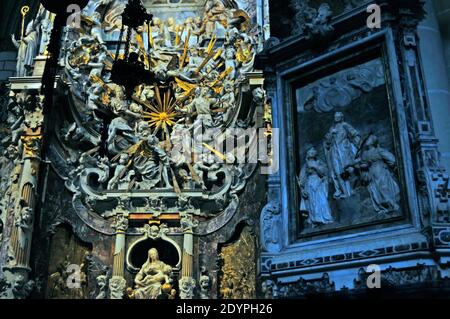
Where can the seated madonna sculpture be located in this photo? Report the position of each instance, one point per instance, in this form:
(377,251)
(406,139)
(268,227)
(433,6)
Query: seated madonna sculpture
(153,278)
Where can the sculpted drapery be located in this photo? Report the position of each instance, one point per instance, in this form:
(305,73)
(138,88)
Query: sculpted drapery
(153,274)
(313,183)
(341,144)
(377,164)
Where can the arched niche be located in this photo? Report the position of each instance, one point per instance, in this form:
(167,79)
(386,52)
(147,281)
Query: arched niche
(169,252)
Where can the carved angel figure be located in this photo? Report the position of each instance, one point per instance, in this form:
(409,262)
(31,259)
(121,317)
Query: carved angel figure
(320,24)
(121,178)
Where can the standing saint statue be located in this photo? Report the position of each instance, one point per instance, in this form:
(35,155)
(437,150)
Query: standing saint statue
(27,48)
(341,144)
(313,183)
(376,164)
(150,279)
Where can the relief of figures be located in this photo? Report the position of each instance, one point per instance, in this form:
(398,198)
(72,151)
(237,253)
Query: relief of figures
(353,166)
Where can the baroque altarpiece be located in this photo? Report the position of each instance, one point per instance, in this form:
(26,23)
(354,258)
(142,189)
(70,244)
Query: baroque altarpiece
(142,178)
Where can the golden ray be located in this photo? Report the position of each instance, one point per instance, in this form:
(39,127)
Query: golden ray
(186,47)
(158,96)
(186,86)
(211,44)
(222,76)
(205,61)
(150,34)
(144,103)
(215,152)
(218,54)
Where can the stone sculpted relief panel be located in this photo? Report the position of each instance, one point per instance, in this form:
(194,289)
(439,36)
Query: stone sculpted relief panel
(348,169)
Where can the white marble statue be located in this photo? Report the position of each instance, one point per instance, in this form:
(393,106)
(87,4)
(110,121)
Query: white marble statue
(27,47)
(153,274)
(313,184)
(376,164)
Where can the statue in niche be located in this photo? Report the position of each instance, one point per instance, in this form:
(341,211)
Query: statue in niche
(24,219)
(15,121)
(313,183)
(46,29)
(375,165)
(341,143)
(27,49)
(152,276)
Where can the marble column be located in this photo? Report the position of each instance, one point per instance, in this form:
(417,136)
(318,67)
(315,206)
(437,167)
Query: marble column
(17,268)
(187,282)
(436,79)
(117,283)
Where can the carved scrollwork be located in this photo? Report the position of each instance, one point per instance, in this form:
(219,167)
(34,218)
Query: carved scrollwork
(338,91)
(271,227)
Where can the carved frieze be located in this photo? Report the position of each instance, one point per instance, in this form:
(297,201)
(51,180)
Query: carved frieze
(300,289)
